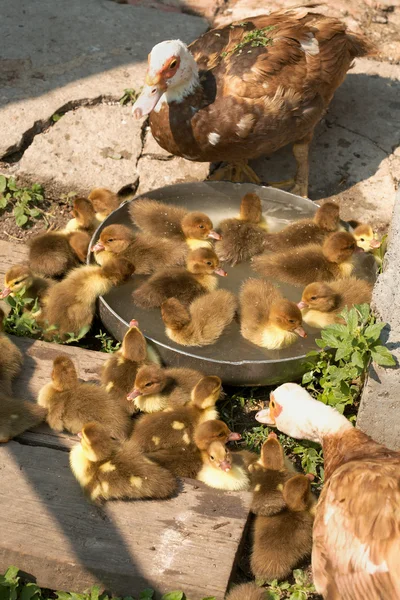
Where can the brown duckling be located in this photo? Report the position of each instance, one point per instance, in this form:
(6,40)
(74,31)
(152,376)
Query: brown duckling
(71,303)
(268,475)
(173,222)
(71,404)
(247,591)
(119,371)
(366,238)
(21,277)
(10,359)
(241,240)
(223,469)
(184,284)
(84,217)
(156,388)
(145,252)
(322,302)
(185,460)
(203,322)
(107,469)
(306,264)
(55,253)
(17,416)
(104,202)
(282,540)
(267,318)
(169,429)
(244,236)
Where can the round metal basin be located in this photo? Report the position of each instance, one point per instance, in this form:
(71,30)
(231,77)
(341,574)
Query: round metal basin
(234,359)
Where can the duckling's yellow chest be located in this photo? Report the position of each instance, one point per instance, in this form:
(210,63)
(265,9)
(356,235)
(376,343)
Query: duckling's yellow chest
(234,480)
(151,403)
(80,465)
(346,268)
(274,338)
(316,318)
(195,244)
(210,282)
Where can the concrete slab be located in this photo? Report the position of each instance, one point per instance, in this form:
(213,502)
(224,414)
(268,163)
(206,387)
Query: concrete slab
(155,173)
(86,148)
(379,413)
(58,55)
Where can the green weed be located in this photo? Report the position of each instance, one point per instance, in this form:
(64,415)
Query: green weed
(253,38)
(108,344)
(24,200)
(299,590)
(129,96)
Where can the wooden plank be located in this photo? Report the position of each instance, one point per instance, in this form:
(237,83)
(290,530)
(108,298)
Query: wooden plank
(11,254)
(49,531)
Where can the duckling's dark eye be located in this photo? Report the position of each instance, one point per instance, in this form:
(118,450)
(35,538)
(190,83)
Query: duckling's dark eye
(212,458)
(221,434)
(148,384)
(313,297)
(291,321)
(201,226)
(362,239)
(18,282)
(172,64)
(209,263)
(110,240)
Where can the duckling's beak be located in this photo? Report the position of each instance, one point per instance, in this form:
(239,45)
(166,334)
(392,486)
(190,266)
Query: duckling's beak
(98,247)
(149,97)
(302,304)
(225,466)
(133,323)
(300,331)
(215,235)
(272,436)
(221,272)
(233,436)
(374,244)
(263,416)
(134,394)
(6,292)
(79,434)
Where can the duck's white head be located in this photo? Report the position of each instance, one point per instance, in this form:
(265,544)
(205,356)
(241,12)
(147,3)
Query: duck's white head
(172,70)
(294,412)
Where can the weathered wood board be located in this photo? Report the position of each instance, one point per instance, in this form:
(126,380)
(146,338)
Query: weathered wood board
(50,531)
(11,254)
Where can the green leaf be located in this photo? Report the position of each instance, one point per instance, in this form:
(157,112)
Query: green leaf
(372,332)
(307,377)
(94,592)
(382,356)
(330,338)
(12,186)
(336,328)
(11,575)
(357,359)
(3,183)
(210,598)
(298,595)
(21,220)
(342,352)
(272,596)
(56,117)
(63,595)
(34,212)
(352,319)
(29,591)
(173,596)
(147,594)
(3,201)
(364,310)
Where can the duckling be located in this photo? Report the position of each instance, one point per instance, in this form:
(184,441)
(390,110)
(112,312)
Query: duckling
(71,303)
(282,540)
(322,302)
(332,260)
(156,389)
(366,238)
(223,469)
(173,222)
(107,469)
(10,359)
(21,277)
(169,429)
(185,460)
(55,253)
(248,591)
(268,476)
(17,416)
(267,318)
(84,217)
(119,371)
(241,241)
(104,202)
(183,284)
(145,252)
(244,236)
(71,404)
(203,322)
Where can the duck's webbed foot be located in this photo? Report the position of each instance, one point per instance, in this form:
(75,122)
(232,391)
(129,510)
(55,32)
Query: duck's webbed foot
(238,172)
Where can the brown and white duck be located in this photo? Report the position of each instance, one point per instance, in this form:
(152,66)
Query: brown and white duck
(247,89)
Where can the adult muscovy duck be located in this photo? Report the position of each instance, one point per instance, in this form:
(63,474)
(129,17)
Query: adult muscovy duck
(247,89)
